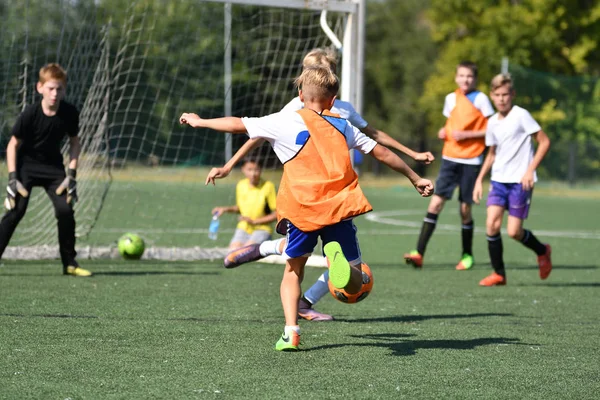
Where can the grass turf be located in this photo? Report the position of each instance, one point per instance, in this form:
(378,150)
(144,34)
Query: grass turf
(194,330)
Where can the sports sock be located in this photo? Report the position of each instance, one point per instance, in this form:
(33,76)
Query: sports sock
(427,229)
(319,289)
(288,329)
(304,303)
(530,241)
(270,247)
(467,238)
(495,249)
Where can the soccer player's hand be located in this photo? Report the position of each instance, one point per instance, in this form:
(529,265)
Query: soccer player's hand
(477,192)
(424,187)
(527,181)
(442,133)
(13,189)
(425,158)
(70,185)
(460,135)
(216,173)
(249,221)
(190,119)
(217,211)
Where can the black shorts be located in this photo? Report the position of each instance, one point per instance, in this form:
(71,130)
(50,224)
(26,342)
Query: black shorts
(454,174)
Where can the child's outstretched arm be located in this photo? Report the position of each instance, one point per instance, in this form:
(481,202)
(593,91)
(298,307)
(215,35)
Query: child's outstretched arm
(223,124)
(485,168)
(384,139)
(222,172)
(386,156)
(542,148)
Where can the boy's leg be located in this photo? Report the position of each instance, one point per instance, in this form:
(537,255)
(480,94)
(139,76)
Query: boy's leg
(444,187)
(290,294)
(468,177)
(300,245)
(65,218)
(495,248)
(340,246)
(519,202)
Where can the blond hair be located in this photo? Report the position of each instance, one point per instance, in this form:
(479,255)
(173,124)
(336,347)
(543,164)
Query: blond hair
(52,71)
(501,80)
(318,82)
(321,56)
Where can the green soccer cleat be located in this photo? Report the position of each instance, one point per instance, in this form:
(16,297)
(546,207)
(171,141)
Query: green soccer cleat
(339,268)
(288,343)
(466,262)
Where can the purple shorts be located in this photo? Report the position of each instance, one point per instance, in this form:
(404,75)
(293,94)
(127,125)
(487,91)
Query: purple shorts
(512,197)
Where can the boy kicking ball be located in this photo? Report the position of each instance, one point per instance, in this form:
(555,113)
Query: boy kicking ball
(319,192)
(513,164)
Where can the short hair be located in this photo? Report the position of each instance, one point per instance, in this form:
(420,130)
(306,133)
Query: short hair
(501,80)
(252,160)
(321,56)
(468,64)
(52,71)
(318,83)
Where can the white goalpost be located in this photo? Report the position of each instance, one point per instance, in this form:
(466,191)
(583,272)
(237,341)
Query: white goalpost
(133,66)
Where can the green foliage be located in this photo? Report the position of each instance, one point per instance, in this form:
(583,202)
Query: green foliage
(556,36)
(399,51)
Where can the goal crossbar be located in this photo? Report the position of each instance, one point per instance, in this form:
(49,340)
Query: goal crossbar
(346,6)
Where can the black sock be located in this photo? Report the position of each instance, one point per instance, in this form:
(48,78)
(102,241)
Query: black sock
(530,241)
(495,249)
(467,238)
(427,229)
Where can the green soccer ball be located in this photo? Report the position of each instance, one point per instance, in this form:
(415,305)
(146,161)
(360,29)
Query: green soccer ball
(131,246)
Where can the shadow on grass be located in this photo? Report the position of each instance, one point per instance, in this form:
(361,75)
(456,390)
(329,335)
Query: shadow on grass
(417,318)
(17,315)
(535,267)
(402,345)
(562,284)
(141,273)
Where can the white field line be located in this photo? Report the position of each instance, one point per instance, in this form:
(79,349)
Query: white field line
(387,218)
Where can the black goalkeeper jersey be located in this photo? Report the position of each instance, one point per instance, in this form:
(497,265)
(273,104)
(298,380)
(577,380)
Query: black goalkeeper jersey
(42,136)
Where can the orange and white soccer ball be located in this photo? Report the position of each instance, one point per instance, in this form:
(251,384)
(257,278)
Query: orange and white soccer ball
(367,286)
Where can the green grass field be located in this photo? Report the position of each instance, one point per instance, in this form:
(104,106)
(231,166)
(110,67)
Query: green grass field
(165,330)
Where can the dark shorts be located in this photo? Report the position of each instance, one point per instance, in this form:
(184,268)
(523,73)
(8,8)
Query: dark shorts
(301,244)
(512,197)
(453,174)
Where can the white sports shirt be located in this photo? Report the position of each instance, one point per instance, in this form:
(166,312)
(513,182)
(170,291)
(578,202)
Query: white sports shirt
(512,137)
(343,108)
(287,133)
(482,103)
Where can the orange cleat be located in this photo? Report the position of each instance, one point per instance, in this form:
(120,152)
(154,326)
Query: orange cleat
(414,258)
(545,263)
(493,280)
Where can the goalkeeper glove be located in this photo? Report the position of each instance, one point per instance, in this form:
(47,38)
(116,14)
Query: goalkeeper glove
(70,185)
(13,188)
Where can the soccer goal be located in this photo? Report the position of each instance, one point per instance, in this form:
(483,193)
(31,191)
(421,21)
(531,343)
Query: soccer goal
(133,68)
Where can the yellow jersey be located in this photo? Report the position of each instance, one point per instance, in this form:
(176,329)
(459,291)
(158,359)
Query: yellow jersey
(255,202)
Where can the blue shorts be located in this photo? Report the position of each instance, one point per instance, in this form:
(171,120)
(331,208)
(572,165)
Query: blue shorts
(302,244)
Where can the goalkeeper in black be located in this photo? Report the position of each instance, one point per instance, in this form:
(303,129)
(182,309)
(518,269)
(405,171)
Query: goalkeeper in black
(33,158)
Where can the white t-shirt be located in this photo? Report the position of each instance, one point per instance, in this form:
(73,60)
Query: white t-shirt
(512,137)
(343,108)
(482,103)
(287,133)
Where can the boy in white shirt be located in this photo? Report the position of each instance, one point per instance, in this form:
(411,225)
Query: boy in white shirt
(513,164)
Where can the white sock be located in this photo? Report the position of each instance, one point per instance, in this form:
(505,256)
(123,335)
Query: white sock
(270,247)
(288,329)
(319,289)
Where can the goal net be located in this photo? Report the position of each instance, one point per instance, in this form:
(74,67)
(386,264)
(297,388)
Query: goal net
(133,68)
